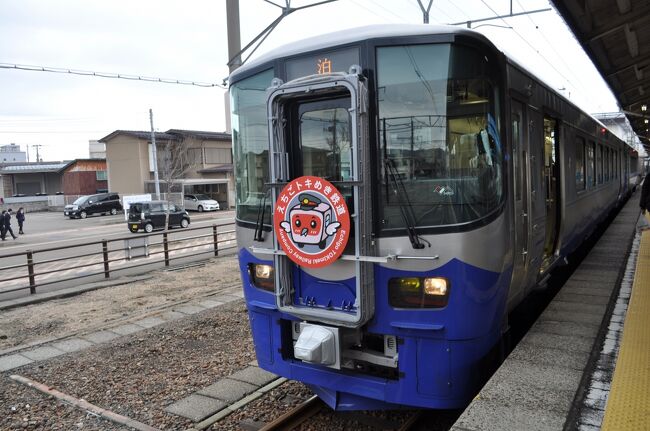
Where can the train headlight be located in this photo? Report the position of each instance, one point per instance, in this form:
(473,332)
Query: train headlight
(436,286)
(416,292)
(262,276)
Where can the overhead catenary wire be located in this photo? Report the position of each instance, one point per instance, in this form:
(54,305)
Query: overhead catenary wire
(530,45)
(557,54)
(32,68)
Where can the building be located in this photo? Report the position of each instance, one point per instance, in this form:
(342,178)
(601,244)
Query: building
(30,179)
(84,177)
(189,161)
(11,154)
(96,150)
(618,123)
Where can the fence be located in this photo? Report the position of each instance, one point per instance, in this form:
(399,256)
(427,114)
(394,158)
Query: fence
(112,256)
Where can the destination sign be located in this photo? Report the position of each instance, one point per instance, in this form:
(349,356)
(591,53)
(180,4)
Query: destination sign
(322,63)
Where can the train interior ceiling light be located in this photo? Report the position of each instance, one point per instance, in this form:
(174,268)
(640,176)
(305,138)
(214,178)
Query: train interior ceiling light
(615,35)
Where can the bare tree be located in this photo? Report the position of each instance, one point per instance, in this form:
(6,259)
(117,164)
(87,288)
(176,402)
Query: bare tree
(174,164)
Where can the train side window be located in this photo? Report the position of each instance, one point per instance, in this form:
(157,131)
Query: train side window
(580,164)
(599,163)
(591,164)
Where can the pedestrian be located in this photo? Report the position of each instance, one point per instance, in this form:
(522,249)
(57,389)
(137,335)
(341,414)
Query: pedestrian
(7,223)
(644,202)
(2,224)
(20,217)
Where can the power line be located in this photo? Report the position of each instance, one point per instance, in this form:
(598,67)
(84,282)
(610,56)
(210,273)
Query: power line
(529,44)
(585,92)
(107,75)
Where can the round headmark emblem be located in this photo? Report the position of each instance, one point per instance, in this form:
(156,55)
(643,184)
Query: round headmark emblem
(311,222)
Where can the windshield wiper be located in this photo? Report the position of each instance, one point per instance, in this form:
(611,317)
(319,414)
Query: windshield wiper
(407,216)
(259,225)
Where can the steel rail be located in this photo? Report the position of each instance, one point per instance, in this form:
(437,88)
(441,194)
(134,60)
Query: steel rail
(295,416)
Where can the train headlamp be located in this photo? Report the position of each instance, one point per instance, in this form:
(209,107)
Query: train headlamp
(436,286)
(418,292)
(262,276)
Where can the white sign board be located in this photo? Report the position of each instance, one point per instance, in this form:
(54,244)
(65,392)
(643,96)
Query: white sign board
(128,200)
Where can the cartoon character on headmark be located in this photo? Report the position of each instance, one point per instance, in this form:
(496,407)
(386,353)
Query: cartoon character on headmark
(310,222)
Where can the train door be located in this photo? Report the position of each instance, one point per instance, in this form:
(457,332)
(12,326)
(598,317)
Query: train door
(521,191)
(536,213)
(318,134)
(552,190)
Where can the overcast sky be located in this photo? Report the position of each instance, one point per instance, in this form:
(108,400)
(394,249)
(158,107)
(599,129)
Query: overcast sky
(187,40)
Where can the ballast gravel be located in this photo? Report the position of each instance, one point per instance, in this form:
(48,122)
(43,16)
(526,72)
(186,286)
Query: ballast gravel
(141,374)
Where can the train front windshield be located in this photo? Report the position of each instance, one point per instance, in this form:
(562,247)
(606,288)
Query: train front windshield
(438,135)
(437,138)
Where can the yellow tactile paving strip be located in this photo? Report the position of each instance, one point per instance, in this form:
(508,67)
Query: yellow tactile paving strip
(628,404)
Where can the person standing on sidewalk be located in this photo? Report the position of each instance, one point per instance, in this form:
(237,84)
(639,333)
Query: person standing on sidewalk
(7,224)
(2,224)
(20,217)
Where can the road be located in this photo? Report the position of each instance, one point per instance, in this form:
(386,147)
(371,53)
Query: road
(54,269)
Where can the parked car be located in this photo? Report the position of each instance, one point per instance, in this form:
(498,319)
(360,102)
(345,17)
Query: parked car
(151,215)
(200,203)
(103,203)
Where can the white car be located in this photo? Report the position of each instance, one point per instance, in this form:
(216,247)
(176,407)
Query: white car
(200,203)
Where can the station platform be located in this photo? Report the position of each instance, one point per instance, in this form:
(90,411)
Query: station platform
(585,363)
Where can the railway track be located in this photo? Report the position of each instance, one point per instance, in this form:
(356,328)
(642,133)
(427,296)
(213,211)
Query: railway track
(300,414)
(296,416)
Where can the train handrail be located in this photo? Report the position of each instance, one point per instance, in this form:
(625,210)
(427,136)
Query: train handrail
(375,259)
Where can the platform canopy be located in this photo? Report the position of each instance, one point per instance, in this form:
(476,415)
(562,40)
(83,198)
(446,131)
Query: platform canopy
(616,36)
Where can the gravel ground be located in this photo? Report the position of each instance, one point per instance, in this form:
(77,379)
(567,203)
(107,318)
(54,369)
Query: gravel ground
(136,376)
(139,375)
(98,308)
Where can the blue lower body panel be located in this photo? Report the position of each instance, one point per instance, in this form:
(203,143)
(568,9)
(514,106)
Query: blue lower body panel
(436,374)
(443,353)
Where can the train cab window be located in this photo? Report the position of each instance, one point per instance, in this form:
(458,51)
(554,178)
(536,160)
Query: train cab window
(325,139)
(250,146)
(438,128)
(580,164)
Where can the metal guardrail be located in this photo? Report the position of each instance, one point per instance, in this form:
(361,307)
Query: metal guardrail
(107,256)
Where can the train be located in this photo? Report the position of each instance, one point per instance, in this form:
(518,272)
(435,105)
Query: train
(399,190)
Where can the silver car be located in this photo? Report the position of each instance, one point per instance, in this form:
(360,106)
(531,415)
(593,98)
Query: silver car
(200,203)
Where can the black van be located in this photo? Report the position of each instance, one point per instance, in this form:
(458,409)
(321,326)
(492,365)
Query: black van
(151,215)
(103,203)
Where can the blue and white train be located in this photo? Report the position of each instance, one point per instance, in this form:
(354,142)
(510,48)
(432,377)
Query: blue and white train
(399,190)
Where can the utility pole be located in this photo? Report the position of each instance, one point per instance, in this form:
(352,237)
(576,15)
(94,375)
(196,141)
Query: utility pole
(154,156)
(38,157)
(234,37)
(234,49)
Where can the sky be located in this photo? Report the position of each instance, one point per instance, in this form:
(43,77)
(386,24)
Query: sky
(187,41)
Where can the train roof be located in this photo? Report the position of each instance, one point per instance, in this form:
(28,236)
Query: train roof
(380,31)
(353,35)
